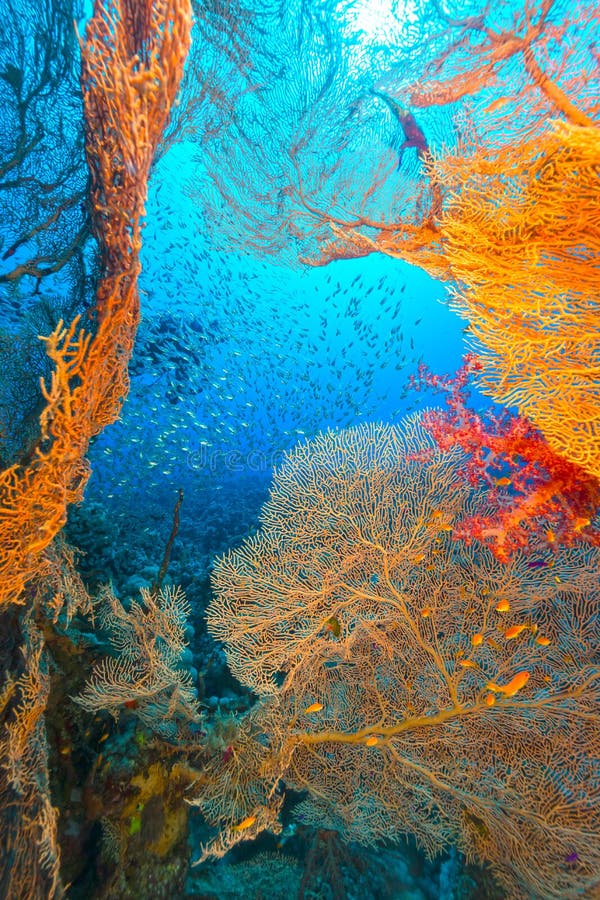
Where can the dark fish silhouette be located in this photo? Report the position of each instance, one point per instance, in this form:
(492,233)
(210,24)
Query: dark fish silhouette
(413,133)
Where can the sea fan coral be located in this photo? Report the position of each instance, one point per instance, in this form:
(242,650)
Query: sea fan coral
(146,674)
(523,236)
(410,683)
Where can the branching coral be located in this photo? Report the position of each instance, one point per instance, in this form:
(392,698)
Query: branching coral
(42,166)
(146,674)
(29,865)
(61,594)
(410,683)
(132,64)
(523,237)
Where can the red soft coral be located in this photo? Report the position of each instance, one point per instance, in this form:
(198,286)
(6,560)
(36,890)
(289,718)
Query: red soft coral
(543,499)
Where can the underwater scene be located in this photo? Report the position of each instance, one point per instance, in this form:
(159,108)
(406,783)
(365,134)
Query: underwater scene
(300,449)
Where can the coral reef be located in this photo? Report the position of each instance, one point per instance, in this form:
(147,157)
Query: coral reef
(28,824)
(405,651)
(500,198)
(132,65)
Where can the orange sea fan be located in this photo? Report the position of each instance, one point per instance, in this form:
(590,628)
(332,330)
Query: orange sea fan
(523,238)
(145,671)
(129,84)
(415,713)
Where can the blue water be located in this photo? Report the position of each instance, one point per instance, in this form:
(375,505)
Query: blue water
(261,356)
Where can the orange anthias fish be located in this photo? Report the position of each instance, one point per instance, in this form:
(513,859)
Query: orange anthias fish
(434,521)
(580,523)
(245,823)
(515,684)
(515,630)
(314,707)
(371,740)
(502,606)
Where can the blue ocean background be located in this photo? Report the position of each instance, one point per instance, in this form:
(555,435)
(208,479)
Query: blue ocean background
(238,358)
